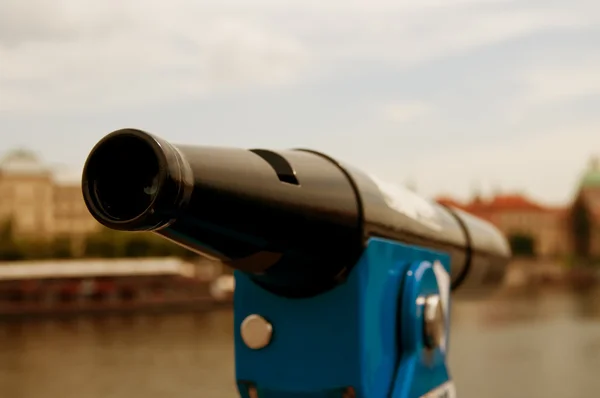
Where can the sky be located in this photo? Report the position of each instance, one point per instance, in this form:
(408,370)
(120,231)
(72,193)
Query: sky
(450,96)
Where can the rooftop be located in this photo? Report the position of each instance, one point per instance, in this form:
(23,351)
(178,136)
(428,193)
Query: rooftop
(505,202)
(22,161)
(514,202)
(451,202)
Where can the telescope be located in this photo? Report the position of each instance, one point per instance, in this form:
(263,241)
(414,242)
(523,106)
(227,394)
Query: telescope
(342,280)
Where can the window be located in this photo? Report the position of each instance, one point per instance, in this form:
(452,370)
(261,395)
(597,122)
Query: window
(27,221)
(25,191)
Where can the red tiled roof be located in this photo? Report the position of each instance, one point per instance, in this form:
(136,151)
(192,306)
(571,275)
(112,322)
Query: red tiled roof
(499,203)
(514,202)
(448,201)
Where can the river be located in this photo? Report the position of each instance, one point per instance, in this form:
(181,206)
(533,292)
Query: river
(523,345)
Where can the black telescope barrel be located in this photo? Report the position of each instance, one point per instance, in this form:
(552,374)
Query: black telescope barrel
(296,220)
(479,252)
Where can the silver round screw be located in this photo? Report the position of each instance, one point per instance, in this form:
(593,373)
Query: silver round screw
(434,321)
(256,332)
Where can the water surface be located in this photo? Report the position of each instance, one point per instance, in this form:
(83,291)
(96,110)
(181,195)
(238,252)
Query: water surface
(528,345)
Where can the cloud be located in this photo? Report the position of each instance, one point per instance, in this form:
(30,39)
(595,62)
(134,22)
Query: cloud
(548,84)
(410,37)
(401,112)
(547,163)
(18,23)
(551,84)
(80,54)
(143,61)
(45,21)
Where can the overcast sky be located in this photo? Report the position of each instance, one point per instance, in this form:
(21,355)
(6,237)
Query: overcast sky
(450,94)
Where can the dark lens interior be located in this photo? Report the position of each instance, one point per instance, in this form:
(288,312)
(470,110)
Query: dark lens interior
(124,176)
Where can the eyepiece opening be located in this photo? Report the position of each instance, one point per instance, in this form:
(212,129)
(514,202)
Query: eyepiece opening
(123,175)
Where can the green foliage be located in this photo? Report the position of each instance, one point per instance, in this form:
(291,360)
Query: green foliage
(569,261)
(581,229)
(103,244)
(10,249)
(61,248)
(522,245)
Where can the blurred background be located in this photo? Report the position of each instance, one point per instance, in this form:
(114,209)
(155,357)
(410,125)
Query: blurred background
(487,105)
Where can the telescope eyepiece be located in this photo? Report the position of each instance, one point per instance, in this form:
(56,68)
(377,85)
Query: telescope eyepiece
(132,181)
(125,177)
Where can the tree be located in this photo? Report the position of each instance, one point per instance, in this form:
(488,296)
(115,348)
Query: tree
(109,243)
(581,229)
(162,247)
(6,231)
(137,246)
(10,249)
(61,248)
(103,244)
(522,245)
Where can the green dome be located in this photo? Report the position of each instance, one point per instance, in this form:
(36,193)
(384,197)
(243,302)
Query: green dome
(592,176)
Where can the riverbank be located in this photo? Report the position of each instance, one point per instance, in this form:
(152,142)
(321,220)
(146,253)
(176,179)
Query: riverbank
(523,273)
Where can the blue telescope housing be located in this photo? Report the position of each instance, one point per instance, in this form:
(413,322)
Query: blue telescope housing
(342,280)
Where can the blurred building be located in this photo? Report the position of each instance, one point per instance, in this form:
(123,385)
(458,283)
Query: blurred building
(39,202)
(555,231)
(584,220)
(518,215)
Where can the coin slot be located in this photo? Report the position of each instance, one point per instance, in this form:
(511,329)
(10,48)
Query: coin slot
(280,165)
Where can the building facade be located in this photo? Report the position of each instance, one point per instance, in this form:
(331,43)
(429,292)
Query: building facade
(555,231)
(39,202)
(518,216)
(43,204)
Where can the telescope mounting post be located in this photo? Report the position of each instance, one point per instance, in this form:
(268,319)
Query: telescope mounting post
(381,334)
